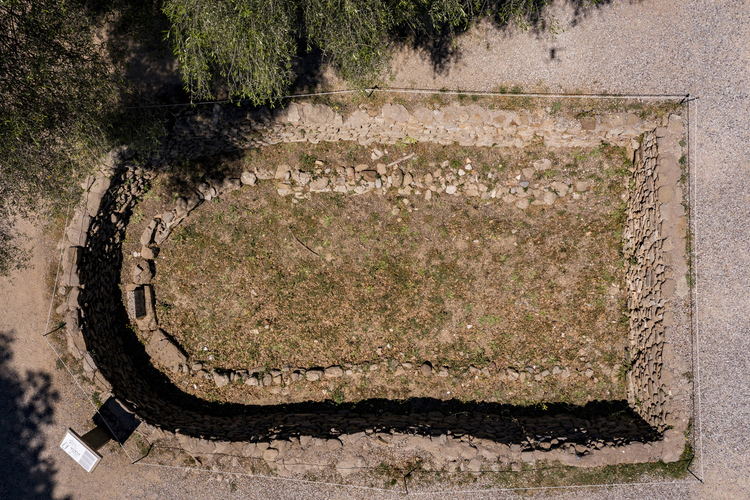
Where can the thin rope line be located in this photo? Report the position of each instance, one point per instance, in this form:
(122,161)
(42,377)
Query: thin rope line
(89,399)
(697,328)
(59,262)
(431,91)
(244,474)
(554,487)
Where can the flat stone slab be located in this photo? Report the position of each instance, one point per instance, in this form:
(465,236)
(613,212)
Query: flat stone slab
(164,350)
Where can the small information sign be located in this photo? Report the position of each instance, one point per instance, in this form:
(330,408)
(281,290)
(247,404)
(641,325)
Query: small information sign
(80,451)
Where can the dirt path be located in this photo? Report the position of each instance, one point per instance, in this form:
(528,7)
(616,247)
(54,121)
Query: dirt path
(699,47)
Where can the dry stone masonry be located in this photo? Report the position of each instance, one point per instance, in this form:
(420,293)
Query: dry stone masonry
(655,245)
(450,435)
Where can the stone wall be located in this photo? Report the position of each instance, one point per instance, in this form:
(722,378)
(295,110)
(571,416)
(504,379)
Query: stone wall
(232,128)
(655,247)
(476,435)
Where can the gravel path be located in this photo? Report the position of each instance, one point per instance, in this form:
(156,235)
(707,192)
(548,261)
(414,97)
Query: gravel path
(699,47)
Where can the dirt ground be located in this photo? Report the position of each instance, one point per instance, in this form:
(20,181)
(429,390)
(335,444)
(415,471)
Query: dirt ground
(645,47)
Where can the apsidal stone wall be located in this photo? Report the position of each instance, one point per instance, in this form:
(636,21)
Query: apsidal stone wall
(468,436)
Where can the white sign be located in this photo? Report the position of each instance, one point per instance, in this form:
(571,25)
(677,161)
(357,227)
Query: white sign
(80,451)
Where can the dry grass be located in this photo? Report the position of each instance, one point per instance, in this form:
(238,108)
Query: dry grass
(259,280)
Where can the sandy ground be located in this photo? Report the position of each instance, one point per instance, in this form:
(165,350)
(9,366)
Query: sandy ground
(699,47)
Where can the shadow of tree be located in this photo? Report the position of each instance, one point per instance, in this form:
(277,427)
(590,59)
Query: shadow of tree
(26,404)
(439,43)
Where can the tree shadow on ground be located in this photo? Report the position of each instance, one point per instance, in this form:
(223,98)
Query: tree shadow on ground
(26,405)
(439,43)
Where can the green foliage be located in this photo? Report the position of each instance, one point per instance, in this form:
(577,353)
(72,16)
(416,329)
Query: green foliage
(62,107)
(248,43)
(52,80)
(350,33)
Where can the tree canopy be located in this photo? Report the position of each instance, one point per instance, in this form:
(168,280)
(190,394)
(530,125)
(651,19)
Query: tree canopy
(248,45)
(61,108)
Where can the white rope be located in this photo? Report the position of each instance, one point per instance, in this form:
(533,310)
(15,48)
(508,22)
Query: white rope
(695,286)
(525,488)
(261,476)
(429,91)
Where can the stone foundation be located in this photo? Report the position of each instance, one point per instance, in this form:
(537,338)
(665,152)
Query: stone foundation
(472,436)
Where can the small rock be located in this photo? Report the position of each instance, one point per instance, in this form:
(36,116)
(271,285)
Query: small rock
(142,273)
(549,198)
(475,465)
(282,171)
(397,178)
(148,253)
(589,373)
(313,375)
(370,175)
(426,368)
(560,187)
(248,178)
(542,164)
(524,184)
(428,179)
(523,203)
(582,186)
(220,379)
(451,190)
(333,372)
(408,179)
(270,454)
(319,184)
(381,168)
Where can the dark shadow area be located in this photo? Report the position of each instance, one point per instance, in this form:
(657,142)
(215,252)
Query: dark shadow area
(122,359)
(439,42)
(26,404)
(136,30)
(115,420)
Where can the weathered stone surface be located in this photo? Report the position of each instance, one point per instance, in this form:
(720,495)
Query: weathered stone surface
(248,178)
(319,184)
(393,113)
(77,231)
(142,272)
(147,237)
(164,350)
(220,379)
(70,261)
(334,372)
(148,321)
